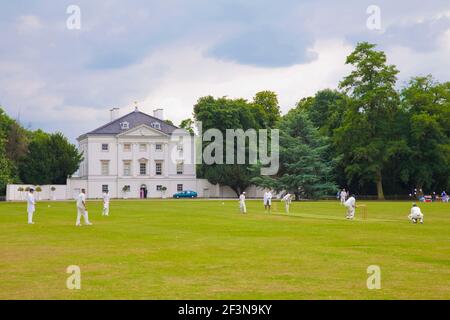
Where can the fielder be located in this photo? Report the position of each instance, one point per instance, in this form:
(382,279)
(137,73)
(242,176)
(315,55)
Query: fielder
(416,214)
(242,206)
(267,201)
(343,196)
(31,202)
(105,204)
(350,204)
(287,201)
(82,210)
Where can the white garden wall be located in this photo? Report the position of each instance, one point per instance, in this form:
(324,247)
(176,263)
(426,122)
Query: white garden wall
(94,189)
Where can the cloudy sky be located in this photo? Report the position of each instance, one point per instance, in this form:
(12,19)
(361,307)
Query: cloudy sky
(169,53)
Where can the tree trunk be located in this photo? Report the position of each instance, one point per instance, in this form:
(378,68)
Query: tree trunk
(379,181)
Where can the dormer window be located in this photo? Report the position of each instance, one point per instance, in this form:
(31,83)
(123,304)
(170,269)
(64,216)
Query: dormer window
(156,125)
(124,125)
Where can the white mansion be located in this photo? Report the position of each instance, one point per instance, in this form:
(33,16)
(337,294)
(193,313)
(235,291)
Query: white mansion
(134,156)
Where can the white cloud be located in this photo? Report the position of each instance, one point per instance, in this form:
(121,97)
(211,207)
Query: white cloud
(193,75)
(27,24)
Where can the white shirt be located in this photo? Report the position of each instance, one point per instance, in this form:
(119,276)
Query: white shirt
(80,200)
(30,201)
(105,198)
(267,196)
(415,212)
(350,202)
(343,194)
(242,198)
(287,198)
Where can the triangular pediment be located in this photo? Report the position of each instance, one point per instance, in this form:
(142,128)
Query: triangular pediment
(142,131)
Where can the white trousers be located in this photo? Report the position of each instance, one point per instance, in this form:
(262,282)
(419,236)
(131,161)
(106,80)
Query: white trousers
(105,209)
(82,212)
(243,207)
(350,212)
(30,215)
(286,206)
(416,217)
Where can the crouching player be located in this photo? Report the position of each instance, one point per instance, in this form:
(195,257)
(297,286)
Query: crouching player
(350,204)
(416,214)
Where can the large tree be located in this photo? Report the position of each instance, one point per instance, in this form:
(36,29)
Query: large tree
(188,125)
(16,144)
(427,106)
(325,109)
(50,159)
(367,138)
(268,100)
(7,170)
(304,169)
(222,114)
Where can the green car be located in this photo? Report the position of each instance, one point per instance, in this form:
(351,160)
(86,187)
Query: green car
(185,194)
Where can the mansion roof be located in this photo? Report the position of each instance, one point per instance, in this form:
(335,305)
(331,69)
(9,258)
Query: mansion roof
(130,121)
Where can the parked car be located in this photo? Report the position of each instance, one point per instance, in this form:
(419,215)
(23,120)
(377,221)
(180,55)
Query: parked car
(185,194)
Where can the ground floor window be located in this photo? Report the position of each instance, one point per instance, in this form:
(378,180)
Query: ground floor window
(105,188)
(179,187)
(158,187)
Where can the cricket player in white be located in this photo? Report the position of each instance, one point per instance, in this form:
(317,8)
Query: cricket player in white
(82,210)
(105,204)
(416,214)
(242,203)
(31,202)
(267,200)
(287,201)
(343,196)
(350,204)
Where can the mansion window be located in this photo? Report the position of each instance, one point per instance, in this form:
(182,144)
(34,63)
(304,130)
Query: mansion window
(105,167)
(105,147)
(127,168)
(158,187)
(127,147)
(124,125)
(158,147)
(179,187)
(156,125)
(142,147)
(180,166)
(142,168)
(104,188)
(158,168)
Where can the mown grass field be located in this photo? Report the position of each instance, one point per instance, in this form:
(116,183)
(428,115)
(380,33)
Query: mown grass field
(200,249)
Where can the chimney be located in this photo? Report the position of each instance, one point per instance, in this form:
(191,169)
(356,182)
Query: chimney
(158,113)
(114,113)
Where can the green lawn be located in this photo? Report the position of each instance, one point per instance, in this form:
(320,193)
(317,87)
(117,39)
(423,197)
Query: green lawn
(199,249)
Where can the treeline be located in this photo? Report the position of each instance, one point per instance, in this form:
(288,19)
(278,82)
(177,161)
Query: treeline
(34,157)
(368,136)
